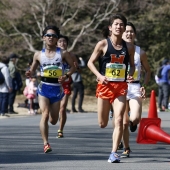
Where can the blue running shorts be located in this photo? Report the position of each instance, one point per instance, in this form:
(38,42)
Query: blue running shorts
(53,93)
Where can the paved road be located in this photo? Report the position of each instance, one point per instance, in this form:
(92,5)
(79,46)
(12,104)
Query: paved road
(85,146)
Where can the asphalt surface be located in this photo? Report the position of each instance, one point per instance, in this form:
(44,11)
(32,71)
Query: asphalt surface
(84,147)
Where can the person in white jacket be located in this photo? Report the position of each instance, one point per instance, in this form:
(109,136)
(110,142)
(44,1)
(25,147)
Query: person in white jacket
(5,87)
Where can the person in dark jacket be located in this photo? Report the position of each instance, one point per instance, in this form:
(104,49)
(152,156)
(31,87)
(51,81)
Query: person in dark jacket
(164,84)
(16,82)
(5,87)
(78,86)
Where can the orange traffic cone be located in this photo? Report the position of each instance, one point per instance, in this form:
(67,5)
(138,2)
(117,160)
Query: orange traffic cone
(151,133)
(152,107)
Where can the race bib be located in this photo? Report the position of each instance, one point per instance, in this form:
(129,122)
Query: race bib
(135,75)
(53,72)
(115,72)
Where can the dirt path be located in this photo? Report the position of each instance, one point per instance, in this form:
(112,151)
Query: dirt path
(89,104)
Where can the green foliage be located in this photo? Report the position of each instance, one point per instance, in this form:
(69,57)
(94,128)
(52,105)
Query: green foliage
(30,17)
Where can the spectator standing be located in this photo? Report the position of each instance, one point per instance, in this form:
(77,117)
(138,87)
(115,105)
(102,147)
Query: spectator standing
(164,84)
(5,87)
(32,93)
(160,91)
(78,86)
(16,82)
(27,81)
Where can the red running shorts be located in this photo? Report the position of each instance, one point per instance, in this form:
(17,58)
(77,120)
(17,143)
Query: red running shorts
(111,91)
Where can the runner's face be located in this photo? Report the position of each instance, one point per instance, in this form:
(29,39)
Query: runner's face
(117,28)
(129,34)
(62,43)
(50,37)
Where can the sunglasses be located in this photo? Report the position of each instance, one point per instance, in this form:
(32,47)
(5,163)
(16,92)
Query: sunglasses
(51,35)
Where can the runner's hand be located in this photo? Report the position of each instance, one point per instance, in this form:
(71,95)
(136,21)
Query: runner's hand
(10,90)
(143,92)
(62,79)
(102,79)
(28,73)
(129,79)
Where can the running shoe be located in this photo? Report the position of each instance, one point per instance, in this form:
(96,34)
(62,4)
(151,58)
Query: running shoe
(161,110)
(60,134)
(111,115)
(114,158)
(120,147)
(132,127)
(129,114)
(47,148)
(126,153)
(74,111)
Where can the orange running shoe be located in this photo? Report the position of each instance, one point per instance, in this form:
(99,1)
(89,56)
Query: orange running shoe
(47,148)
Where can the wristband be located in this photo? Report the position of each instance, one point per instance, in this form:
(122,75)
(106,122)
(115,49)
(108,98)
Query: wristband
(67,76)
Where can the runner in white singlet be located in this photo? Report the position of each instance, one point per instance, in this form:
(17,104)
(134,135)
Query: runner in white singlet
(50,91)
(135,91)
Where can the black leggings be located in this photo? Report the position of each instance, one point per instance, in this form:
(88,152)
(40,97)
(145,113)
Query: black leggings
(78,87)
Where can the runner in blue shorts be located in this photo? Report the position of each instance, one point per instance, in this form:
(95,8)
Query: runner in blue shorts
(50,91)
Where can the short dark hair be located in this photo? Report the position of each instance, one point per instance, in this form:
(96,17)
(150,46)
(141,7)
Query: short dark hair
(65,37)
(117,16)
(130,24)
(51,27)
(12,56)
(5,59)
(106,31)
(165,61)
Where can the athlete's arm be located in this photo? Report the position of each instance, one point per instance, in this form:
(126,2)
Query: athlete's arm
(145,65)
(99,50)
(78,65)
(75,61)
(67,57)
(131,50)
(34,65)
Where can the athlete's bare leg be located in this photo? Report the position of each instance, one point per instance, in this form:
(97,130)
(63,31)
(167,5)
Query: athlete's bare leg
(119,108)
(103,112)
(54,112)
(126,126)
(48,111)
(63,115)
(135,106)
(135,110)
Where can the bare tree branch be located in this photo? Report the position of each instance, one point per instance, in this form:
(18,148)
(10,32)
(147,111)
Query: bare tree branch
(69,19)
(104,16)
(24,35)
(40,9)
(64,9)
(113,4)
